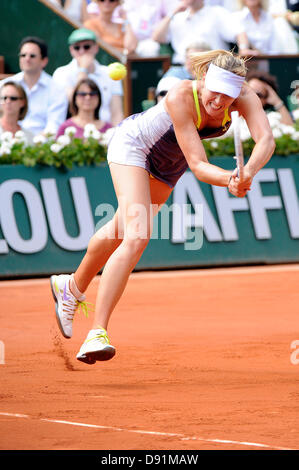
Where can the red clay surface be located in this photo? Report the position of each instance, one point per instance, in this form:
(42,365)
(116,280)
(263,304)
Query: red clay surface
(203,362)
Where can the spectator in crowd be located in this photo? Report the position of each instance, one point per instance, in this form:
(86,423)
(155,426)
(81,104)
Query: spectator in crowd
(288,9)
(185,72)
(164,85)
(47,100)
(155,94)
(191,18)
(118,34)
(83,49)
(293,13)
(75,9)
(266,87)
(85,105)
(13,109)
(257,32)
(143,16)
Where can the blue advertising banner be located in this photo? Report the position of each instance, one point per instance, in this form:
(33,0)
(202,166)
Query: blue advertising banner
(47,217)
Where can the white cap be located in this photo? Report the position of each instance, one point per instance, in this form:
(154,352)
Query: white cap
(222,81)
(166,83)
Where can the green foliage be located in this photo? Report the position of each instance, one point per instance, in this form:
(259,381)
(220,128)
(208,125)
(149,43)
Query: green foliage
(78,152)
(92,150)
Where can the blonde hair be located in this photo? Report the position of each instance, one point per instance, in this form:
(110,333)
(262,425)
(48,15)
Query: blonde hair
(264,4)
(226,60)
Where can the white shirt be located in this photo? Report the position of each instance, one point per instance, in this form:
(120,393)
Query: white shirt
(47,103)
(144,15)
(210,24)
(67,75)
(73,9)
(261,35)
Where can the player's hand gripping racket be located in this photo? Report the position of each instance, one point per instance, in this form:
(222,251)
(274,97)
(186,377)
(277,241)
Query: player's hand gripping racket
(238,144)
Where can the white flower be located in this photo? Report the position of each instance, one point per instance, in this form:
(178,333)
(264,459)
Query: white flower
(289,130)
(50,132)
(20,135)
(39,139)
(274,119)
(214,144)
(90,130)
(64,140)
(96,135)
(70,131)
(295,135)
(5,149)
(6,136)
(20,138)
(277,132)
(56,148)
(106,136)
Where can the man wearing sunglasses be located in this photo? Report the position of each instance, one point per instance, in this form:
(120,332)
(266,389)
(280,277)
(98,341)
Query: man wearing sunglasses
(83,48)
(47,101)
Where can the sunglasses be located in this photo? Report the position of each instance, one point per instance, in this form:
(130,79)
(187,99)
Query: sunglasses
(262,96)
(11,98)
(83,94)
(32,56)
(86,47)
(162,93)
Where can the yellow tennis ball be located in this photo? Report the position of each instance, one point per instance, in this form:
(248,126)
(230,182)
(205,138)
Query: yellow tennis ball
(117,71)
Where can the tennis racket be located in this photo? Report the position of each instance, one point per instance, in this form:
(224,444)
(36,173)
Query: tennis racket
(238,144)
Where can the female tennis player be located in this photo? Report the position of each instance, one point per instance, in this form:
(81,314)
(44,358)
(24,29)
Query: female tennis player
(147,155)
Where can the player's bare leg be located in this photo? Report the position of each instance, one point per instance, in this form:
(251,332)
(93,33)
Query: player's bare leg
(103,243)
(136,203)
(149,194)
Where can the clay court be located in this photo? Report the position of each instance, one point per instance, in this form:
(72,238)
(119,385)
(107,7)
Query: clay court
(205,359)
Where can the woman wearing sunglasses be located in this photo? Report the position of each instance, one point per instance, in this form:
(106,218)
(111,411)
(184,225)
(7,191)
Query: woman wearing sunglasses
(120,36)
(13,109)
(85,106)
(266,87)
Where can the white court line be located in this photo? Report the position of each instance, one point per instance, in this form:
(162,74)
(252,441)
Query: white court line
(177,273)
(153,433)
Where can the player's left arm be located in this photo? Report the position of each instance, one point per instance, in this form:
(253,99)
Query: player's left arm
(180,110)
(250,107)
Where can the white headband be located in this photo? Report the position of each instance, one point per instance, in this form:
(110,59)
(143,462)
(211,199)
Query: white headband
(223,81)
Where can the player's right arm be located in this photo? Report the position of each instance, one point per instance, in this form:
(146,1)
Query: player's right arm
(249,106)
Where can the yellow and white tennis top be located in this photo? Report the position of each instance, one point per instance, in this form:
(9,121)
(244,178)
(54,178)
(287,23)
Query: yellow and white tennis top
(148,140)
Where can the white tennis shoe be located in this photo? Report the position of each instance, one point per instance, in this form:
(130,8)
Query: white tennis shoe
(96,347)
(66,303)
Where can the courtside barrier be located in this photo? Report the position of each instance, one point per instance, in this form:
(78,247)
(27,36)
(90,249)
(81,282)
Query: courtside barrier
(48,215)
